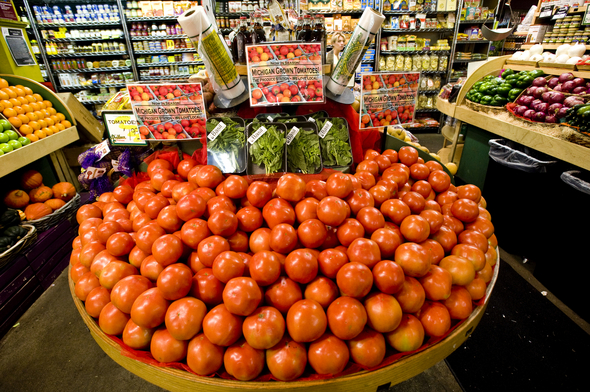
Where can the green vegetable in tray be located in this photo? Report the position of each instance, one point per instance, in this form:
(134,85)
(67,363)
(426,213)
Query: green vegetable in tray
(227,146)
(335,145)
(269,149)
(304,152)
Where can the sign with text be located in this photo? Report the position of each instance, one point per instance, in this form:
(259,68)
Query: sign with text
(122,128)
(285,73)
(388,98)
(168,111)
(17,45)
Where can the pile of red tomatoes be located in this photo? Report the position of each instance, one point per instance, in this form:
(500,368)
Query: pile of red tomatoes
(253,278)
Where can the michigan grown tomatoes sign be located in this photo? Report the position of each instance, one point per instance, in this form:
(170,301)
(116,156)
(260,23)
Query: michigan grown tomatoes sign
(388,98)
(168,111)
(285,73)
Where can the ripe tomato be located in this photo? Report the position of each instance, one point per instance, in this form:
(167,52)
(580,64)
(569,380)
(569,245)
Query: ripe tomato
(209,176)
(278,211)
(159,176)
(367,348)
(316,189)
(77,271)
(190,207)
(137,337)
(147,235)
(306,209)
(223,223)
(436,250)
(167,249)
(322,290)
(287,359)
(291,187)
(165,348)
(265,267)
(89,252)
(383,162)
(435,318)
(332,211)
(100,261)
(154,205)
(210,247)
(415,201)
(150,268)
(97,299)
(471,253)
(328,354)
(395,210)
(371,218)
(359,199)
(312,233)
(439,180)
(242,361)
(106,229)
(185,166)
(437,283)
(123,194)
(126,291)
(476,289)
(380,193)
(366,179)
(339,185)
(182,189)
(222,327)
(120,244)
(194,231)
(330,261)
(398,173)
(413,258)
(220,202)
(249,219)
(169,220)
(228,265)
(482,225)
(411,297)
(419,171)
(465,210)
(408,155)
(365,251)
(471,192)
(301,265)
(460,268)
(349,230)
(283,238)
(282,294)
(459,304)
(387,240)
(149,309)
(204,357)
(408,336)
(184,318)
(264,328)
(306,321)
(383,312)
(88,211)
(346,317)
(446,237)
(388,276)
(415,228)
(242,295)
(354,279)
(235,187)
(111,320)
(259,193)
(114,272)
(434,218)
(175,281)
(207,288)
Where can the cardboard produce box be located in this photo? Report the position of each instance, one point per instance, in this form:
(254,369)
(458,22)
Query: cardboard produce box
(91,128)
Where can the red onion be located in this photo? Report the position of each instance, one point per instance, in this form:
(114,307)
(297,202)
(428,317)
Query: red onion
(535,103)
(568,86)
(539,116)
(542,107)
(540,82)
(562,112)
(565,77)
(554,108)
(529,114)
(525,100)
(572,101)
(578,82)
(579,90)
(540,91)
(553,82)
(519,111)
(550,119)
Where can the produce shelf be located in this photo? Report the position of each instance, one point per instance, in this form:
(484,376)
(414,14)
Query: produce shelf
(79,24)
(16,159)
(167,77)
(401,370)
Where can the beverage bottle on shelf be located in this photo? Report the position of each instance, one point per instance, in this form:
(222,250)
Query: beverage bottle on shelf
(319,29)
(241,39)
(298,28)
(305,33)
(258,35)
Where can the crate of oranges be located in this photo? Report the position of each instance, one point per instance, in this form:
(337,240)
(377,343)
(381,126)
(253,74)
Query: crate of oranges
(30,111)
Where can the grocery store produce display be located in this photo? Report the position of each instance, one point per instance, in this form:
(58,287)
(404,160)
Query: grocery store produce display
(253,280)
(499,90)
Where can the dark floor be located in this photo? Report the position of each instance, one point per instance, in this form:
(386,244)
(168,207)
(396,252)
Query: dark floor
(50,348)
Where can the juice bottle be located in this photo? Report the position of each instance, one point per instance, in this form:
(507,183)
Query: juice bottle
(259,34)
(305,33)
(241,39)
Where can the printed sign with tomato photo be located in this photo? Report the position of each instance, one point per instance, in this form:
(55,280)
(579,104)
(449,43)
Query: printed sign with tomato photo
(168,111)
(285,73)
(388,98)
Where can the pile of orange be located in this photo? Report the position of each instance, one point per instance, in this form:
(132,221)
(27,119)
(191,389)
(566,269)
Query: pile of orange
(33,116)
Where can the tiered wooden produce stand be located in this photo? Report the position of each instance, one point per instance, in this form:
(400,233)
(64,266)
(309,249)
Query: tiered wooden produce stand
(564,150)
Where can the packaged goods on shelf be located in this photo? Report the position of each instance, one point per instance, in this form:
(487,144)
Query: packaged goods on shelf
(81,14)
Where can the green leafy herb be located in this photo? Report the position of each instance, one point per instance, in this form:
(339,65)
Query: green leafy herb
(304,152)
(286,120)
(335,145)
(269,149)
(228,146)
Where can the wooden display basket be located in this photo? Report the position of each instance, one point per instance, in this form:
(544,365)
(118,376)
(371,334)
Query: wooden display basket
(484,108)
(583,67)
(380,379)
(523,62)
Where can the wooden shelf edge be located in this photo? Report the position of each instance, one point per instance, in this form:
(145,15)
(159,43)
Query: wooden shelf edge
(445,107)
(546,46)
(23,156)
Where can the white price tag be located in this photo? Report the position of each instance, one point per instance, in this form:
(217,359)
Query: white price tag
(269,118)
(256,135)
(311,119)
(325,129)
(94,172)
(216,131)
(102,149)
(291,135)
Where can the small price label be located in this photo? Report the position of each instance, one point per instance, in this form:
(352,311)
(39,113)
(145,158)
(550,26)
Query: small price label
(311,119)
(94,172)
(269,118)
(216,131)
(256,135)
(102,149)
(325,129)
(291,135)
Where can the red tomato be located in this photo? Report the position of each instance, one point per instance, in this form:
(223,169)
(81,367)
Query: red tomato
(291,187)
(210,247)
(182,189)
(446,237)
(367,348)
(388,276)
(328,354)
(460,268)
(435,318)
(106,229)
(278,211)
(359,199)
(88,211)
(411,297)
(465,210)
(249,219)
(242,296)
(383,312)
(287,359)
(97,299)
(222,327)
(147,235)
(332,211)
(307,209)
(242,361)
(223,223)
(346,317)
(482,225)
(175,281)
(169,220)
(283,238)
(371,219)
(77,271)
(194,231)
(149,309)
(204,357)
(190,207)
(471,253)
(150,268)
(471,192)
(165,348)
(306,321)
(365,251)
(185,166)
(206,287)
(235,187)
(264,328)
(419,171)
(184,318)
(159,176)
(413,258)
(167,249)
(349,230)
(339,185)
(282,294)
(476,289)
(330,261)
(101,260)
(111,320)
(260,240)
(388,240)
(89,252)
(126,291)
(408,155)
(408,336)
(301,265)
(459,304)
(209,176)
(354,279)
(265,267)
(137,337)
(228,265)
(439,180)
(123,194)
(415,228)
(312,233)
(316,189)
(395,210)
(114,272)
(220,202)
(154,205)
(259,193)
(366,179)
(380,193)
(415,201)
(322,290)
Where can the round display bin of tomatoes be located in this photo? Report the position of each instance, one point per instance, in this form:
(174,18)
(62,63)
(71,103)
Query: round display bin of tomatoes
(405,368)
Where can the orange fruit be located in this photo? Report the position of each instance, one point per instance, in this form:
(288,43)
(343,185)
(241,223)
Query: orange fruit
(4,95)
(30,98)
(35,125)
(24,118)
(51,111)
(32,137)
(60,116)
(60,126)
(40,134)
(54,118)
(41,105)
(1,107)
(26,129)
(42,123)
(22,100)
(10,93)
(9,112)
(38,97)
(53,129)
(35,106)
(19,109)
(32,116)
(40,114)
(19,91)
(3,83)
(47,103)
(14,102)
(6,103)
(49,121)
(66,123)
(27,108)
(47,131)
(28,91)
(15,121)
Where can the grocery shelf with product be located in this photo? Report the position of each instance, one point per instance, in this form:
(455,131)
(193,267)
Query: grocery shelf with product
(326,194)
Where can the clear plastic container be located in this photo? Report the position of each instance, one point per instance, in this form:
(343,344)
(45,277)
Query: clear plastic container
(228,160)
(407,63)
(416,62)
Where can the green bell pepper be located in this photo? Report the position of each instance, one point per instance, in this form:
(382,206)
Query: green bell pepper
(535,73)
(507,72)
(499,100)
(514,93)
(484,87)
(504,90)
(486,100)
(524,81)
(476,97)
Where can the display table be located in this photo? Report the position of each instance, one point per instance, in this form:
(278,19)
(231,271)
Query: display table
(404,369)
